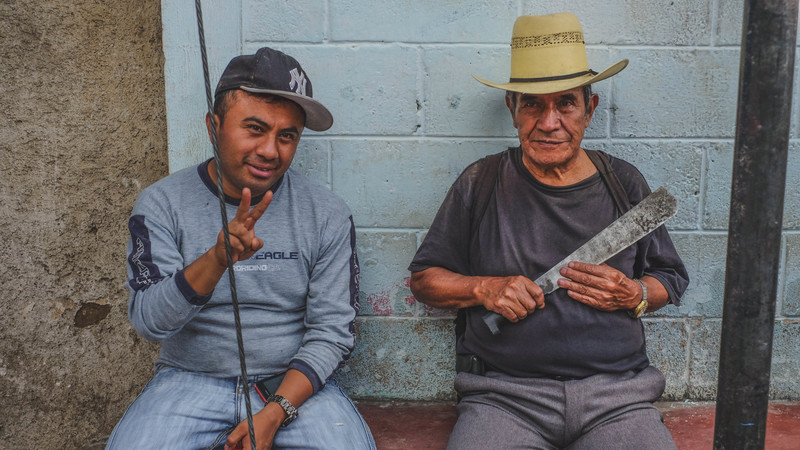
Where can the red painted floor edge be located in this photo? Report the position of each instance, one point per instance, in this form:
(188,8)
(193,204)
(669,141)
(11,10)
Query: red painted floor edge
(418,425)
(692,425)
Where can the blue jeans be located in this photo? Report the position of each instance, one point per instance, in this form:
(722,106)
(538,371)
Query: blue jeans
(186,410)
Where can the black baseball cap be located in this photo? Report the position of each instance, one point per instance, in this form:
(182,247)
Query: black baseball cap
(272,72)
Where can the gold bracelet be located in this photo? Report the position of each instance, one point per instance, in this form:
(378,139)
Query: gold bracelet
(641,308)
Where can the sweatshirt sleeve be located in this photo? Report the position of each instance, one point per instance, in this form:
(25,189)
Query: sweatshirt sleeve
(161,300)
(332,305)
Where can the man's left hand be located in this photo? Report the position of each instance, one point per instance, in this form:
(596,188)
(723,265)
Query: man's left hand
(600,286)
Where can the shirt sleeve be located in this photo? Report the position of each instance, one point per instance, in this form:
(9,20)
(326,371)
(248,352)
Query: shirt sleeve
(332,305)
(447,243)
(161,300)
(659,259)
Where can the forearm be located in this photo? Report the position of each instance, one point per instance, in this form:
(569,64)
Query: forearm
(657,295)
(441,288)
(204,273)
(295,388)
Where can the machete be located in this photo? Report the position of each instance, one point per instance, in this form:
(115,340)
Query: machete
(638,222)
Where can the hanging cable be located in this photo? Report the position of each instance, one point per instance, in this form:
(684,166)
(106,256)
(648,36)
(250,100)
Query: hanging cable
(223,210)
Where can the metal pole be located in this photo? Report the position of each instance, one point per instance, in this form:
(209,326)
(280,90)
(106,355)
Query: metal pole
(769,34)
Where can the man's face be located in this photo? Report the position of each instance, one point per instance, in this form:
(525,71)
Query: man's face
(551,126)
(257,142)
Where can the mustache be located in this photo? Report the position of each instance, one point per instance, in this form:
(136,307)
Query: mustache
(261,162)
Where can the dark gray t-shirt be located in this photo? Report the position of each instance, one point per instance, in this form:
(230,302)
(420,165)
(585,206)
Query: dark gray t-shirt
(528,227)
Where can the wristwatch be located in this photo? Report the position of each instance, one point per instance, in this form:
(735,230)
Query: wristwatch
(640,309)
(291,411)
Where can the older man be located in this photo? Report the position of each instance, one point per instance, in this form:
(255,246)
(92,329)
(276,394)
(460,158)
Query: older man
(571,371)
(296,277)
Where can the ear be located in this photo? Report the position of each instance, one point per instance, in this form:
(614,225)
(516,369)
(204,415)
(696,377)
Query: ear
(511,108)
(208,126)
(593,102)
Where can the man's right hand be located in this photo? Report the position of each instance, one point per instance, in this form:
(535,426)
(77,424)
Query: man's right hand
(205,272)
(241,230)
(512,297)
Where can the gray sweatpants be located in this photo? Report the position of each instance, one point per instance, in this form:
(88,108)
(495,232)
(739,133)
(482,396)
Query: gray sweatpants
(606,411)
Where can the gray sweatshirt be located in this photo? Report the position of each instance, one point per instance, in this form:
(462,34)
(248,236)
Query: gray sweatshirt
(298,295)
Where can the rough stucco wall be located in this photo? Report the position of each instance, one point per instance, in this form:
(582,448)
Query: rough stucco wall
(83,116)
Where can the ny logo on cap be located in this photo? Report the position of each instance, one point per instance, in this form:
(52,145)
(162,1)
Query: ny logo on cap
(298,82)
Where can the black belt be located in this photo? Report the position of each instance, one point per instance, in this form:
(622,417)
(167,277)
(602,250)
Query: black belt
(477,366)
(561,378)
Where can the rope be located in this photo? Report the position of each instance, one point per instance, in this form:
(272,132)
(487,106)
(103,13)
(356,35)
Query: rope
(224,213)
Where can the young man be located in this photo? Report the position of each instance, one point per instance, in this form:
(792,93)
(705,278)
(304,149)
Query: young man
(296,277)
(571,370)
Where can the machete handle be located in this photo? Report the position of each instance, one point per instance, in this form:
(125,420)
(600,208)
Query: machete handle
(493,321)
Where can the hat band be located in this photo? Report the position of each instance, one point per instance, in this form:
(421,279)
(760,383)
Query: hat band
(556,78)
(562,38)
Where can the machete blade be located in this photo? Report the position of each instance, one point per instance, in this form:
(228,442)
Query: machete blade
(638,222)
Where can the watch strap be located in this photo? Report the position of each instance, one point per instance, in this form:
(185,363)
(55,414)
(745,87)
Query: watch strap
(291,411)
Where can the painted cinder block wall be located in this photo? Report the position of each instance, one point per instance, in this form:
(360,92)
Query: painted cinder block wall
(409,117)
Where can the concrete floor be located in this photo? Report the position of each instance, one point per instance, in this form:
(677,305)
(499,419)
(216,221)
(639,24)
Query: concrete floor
(404,426)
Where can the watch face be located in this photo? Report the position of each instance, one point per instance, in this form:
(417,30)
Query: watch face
(289,420)
(639,312)
(291,412)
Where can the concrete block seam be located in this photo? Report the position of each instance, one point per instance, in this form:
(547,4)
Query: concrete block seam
(328,151)
(403,318)
(493,140)
(702,233)
(677,140)
(701,203)
(715,11)
(326,22)
(664,48)
(421,94)
(379,230)
(688,330)
(783,266)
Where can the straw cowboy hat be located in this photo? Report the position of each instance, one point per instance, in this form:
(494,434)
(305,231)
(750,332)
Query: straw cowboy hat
(548,55)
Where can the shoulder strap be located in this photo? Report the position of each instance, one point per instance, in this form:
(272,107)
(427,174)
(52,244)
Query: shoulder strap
(484,186)
(600,160)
